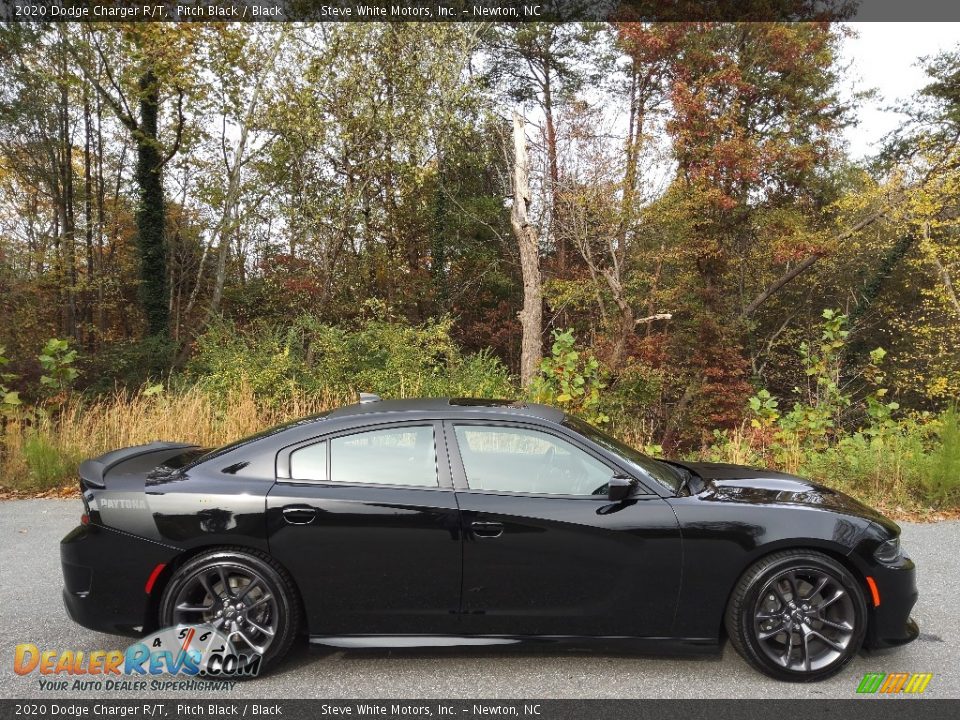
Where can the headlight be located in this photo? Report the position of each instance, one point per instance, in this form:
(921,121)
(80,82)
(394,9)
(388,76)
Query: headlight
(889,552)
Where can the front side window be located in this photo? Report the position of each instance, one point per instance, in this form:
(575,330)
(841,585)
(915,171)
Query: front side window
(392,456)
(659,471)
(513,459)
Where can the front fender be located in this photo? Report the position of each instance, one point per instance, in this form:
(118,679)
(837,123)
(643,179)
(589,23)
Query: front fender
(720,541)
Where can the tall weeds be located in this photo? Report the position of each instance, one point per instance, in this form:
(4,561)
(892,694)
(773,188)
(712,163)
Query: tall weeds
(942,480)
(42,450)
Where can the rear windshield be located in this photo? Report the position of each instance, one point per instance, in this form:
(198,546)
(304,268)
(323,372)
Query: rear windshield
(209,455)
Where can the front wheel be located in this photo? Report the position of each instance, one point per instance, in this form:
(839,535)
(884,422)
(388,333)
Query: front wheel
(242,594)
(797,615)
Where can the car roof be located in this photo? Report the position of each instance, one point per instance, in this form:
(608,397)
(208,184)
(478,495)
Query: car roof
(451,407)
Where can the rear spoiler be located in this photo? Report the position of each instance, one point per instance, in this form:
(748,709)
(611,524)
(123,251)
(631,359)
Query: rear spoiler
(93,471)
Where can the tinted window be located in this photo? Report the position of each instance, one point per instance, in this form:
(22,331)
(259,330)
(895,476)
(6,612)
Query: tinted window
(309,463)
(661,472)
(528,461)
(394,456)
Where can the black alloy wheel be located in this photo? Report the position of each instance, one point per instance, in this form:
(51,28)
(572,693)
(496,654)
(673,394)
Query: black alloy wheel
(797,615)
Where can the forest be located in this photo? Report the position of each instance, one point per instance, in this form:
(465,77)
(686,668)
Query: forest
(208,229)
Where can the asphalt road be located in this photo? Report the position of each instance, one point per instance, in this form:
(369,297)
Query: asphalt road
(31,611)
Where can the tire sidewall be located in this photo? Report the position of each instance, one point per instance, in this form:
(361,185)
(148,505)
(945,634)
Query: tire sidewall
(798,562)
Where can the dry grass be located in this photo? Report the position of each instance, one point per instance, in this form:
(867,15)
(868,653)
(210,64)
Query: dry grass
(43,451)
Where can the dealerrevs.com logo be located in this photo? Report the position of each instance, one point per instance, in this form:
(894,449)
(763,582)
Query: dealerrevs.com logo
(187,652)
(894,683)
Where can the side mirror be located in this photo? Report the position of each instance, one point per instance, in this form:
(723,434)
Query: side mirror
(620,487)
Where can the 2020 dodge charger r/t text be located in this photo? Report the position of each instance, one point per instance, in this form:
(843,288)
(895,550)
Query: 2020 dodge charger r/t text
(424,522)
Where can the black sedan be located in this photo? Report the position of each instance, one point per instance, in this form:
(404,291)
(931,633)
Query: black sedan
(475,522)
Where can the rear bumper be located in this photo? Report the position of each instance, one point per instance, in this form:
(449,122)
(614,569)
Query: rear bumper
(890,621)
(105,573)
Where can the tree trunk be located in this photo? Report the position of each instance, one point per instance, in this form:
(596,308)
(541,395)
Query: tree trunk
(68,223)
(88,214)
(627,322)
(220,278)
(151,213)
(942,271)
(230,219)
(101,202)
(531,317)
(554,170)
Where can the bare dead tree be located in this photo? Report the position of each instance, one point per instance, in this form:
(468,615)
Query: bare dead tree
(531,316)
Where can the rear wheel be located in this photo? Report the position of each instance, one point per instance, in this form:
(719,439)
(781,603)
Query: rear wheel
(243,594)
(797,616)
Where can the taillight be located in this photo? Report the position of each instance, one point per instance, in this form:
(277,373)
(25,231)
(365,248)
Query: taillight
(85,519)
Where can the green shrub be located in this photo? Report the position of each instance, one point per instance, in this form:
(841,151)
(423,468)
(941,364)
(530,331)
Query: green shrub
(47,465)
(378,355)
(57,360)
(128,365)
(570,380)
(9,399)
(941,481)
(881,470)
(882,458)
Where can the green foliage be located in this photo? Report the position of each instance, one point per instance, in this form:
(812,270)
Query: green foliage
(377,355)
(764,408)
(9,399)
(57,360)
(47,464)
(129,365)
(153,390)
(941,482)
(151,209)
(883,459)
(373,165)
(825,401)
(570,380)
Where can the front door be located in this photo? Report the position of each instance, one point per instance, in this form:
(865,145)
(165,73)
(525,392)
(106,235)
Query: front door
(367,522)
(545,552)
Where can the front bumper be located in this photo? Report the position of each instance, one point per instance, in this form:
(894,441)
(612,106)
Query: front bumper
(105,574)
(890,621)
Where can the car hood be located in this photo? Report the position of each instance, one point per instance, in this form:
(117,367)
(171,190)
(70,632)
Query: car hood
(754,486)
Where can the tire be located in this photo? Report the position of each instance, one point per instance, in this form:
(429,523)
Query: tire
(261,597)
(797,615)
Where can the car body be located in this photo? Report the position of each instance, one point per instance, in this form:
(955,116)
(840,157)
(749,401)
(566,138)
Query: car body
(422,522)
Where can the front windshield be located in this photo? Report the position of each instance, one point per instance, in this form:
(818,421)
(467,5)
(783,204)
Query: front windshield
(661,472)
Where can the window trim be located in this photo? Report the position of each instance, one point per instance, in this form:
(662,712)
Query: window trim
(444,483)
(461,483)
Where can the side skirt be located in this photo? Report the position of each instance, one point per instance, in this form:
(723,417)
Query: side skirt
(611,643)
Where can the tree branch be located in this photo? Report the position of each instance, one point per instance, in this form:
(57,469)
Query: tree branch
(180,123)
(807,263)
(654,317)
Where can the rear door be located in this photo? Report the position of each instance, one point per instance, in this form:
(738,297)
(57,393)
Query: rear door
(545,552)
(367,522)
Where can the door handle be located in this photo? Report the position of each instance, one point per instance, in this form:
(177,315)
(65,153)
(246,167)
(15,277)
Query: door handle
(487,529)
(299,514)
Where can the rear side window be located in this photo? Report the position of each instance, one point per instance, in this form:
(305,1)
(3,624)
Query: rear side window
(309,463)
(392,456)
